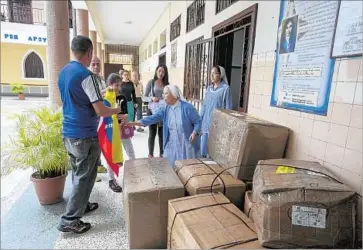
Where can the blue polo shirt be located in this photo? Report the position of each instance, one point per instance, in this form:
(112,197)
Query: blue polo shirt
(79,89)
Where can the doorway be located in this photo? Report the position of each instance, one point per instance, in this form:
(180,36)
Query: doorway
(112,68)
(233,48)
(162,59)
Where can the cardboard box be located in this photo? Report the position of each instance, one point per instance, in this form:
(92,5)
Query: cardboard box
(197,175)
(148,186)
(208,221)
(238,141)
(248,206)
(249,186)
(300,204)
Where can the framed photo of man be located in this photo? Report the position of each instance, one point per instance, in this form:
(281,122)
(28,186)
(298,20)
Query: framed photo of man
(288,35)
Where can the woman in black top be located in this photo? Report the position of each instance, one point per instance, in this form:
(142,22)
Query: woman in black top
(128,90)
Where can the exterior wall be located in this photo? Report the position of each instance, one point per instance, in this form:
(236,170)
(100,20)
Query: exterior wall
(334,140)
(17,40)
(266,26)
(12,59)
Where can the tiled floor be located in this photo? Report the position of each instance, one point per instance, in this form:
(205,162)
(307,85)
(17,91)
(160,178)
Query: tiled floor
(25,224)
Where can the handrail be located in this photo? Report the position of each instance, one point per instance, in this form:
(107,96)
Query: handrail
(24,14)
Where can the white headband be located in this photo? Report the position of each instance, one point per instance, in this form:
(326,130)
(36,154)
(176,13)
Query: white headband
(223,74)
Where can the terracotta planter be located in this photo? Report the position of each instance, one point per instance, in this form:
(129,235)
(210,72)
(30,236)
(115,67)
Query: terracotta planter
(49,191)
(21,96)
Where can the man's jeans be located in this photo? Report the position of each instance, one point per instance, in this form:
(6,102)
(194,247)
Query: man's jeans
(84,155)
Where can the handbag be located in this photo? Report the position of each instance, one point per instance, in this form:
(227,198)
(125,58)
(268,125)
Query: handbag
(127,132)
(153,106)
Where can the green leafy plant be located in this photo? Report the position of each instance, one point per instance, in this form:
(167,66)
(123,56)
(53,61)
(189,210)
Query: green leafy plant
(38,144)
(17,88)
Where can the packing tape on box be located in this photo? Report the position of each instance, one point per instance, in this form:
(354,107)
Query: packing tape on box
(213,205)
(205,164)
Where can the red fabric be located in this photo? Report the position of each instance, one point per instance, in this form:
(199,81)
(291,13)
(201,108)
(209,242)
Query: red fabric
(106,148)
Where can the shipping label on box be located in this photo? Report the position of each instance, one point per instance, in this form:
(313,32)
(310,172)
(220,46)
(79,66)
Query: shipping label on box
(309,216)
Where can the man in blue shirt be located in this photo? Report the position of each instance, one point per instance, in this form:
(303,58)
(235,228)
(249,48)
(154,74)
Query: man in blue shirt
(82,106)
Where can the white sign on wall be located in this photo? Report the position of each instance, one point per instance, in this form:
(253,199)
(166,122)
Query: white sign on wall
(349,30)
(25,33)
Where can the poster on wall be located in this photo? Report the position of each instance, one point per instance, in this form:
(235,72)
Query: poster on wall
(303,67)
(349,30)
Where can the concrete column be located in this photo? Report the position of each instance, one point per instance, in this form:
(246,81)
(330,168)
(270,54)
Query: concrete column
(93,37)
(99,50)
(82,22)
(58,45)
(103,63)
(99,55)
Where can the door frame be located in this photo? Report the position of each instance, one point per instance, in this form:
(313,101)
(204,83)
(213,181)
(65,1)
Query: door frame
(250,11)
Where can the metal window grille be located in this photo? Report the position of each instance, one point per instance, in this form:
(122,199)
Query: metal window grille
(195,14)
(223,4)
(175,28)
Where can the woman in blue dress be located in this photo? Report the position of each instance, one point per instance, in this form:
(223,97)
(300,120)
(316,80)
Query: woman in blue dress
(181,126)
(217,96)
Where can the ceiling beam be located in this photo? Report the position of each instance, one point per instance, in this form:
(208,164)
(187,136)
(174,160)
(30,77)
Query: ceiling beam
(92,8)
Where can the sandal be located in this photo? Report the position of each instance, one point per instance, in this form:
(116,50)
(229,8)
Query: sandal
(91,207)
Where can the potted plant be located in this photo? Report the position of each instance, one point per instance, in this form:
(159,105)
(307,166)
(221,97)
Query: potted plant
(39,145)
(19,90)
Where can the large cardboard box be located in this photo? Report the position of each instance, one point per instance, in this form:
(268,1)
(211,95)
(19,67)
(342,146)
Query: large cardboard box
(148,186)
(248,205)
(208,221)
(198,175)
(238,141)
(300,204)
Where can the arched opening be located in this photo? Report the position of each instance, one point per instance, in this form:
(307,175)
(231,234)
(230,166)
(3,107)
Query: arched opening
(33,66)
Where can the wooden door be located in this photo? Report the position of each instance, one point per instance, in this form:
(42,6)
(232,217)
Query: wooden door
(111,68)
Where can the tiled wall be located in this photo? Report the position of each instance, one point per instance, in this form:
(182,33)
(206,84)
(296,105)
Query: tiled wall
(334,140)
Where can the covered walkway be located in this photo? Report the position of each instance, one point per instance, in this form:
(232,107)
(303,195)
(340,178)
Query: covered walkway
(25,224)
(190,37)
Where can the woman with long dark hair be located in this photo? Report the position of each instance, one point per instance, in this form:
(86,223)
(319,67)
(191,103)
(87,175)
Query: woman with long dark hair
(154,92)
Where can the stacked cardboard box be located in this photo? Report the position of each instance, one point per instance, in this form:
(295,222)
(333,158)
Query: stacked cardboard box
(300,204)
(198,175)
(238,141)
(148,186)
(208,221)
(248,206)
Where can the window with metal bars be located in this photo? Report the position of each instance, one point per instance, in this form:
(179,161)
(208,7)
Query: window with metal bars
(195,14)
(175,28)
(223,4)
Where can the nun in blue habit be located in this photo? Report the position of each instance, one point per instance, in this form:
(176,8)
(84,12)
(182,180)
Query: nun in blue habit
(218,96)
(181,128)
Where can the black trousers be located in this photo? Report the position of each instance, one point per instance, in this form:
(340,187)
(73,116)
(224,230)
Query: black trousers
(153,130)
